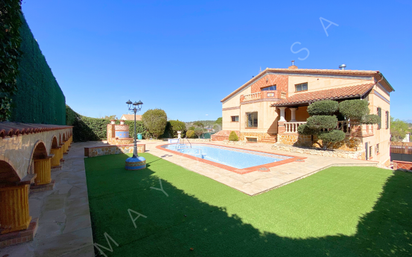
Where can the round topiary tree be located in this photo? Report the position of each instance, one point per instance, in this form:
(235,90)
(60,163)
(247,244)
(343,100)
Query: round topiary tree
(155,121)
(233,136)
(322,122)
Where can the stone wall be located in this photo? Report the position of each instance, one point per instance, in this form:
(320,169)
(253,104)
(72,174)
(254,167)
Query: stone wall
(359,155)
(112,149)
(261,137)
(349,144)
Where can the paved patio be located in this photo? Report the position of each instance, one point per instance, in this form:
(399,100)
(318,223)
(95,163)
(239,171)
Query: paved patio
(64,217)
(259,181)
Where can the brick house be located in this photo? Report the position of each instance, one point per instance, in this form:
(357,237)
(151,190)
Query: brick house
(272,105)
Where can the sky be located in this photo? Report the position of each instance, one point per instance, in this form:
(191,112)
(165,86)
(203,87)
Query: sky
(186,56)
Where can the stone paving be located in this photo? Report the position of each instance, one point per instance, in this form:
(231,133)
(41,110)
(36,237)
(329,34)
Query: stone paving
(64,227)
(64,217)
(258,182)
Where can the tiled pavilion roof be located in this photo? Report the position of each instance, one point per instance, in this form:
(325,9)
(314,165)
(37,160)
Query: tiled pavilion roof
(131,116)
(16,129)
(327,94)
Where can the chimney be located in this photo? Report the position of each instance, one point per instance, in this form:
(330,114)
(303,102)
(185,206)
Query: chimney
(342,66)
(293,66)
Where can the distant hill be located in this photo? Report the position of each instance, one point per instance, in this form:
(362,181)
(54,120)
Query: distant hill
(207,123)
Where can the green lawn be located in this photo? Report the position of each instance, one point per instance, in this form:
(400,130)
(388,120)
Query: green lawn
(341,211)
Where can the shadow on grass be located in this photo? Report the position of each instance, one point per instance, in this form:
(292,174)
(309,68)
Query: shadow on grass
(173,224)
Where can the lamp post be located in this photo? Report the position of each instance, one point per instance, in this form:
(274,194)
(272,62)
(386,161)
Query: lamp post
(136,162)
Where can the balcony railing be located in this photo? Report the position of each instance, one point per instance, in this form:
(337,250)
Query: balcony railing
(292,127)
(261,95)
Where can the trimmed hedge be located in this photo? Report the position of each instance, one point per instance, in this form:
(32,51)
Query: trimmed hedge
(94,129)
(39,98)
(322,122)
(354,109)
(10,54)
(325,107)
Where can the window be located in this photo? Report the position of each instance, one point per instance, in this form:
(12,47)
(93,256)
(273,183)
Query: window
(377,149)
(268,88)
(370,151)
(387,119)
(235,118)
(380,117)
(301,87)
(252,120)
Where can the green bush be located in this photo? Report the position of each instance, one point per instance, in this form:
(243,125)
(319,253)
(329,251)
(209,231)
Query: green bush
(325,107)
(10,53)
(305,130)
(140,128)
(176,125)
(199,131)
(370,119)
(354,109)
(333,136)
(233,136)
(155,120)
(322,122)
(190,133)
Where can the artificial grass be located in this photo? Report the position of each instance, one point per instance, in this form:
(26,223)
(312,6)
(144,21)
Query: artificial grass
(341,211)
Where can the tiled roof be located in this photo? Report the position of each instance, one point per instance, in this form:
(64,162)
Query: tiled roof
(327,94)
(364,73)
(131,117)
(16,129)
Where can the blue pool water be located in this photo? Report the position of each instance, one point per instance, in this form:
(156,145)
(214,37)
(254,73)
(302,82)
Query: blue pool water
(237,158)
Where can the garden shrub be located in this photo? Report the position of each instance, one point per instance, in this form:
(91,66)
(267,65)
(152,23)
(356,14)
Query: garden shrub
(155,121)
(174,126)
(354,109)
(370,119)
(322,122)
(333,136)
(326,107)
(199,131)
(190,133)
(233,136)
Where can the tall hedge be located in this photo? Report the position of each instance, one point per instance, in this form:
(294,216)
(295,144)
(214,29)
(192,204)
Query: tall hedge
(10,42)
(94,129)
(39,98)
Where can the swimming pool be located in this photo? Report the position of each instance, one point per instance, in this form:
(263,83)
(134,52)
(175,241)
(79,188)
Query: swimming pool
(233,159)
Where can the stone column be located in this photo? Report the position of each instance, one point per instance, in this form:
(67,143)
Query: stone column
(14,206)
(293,114)
(282,113)
(55,161)
(42,167)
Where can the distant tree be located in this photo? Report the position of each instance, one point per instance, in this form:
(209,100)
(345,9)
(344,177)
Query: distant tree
(199,124)
(191,128)
(155,121)
(190,134)
(398,129)
(177,125)
(233,136)
(199,131)
(219,121)
(322,122)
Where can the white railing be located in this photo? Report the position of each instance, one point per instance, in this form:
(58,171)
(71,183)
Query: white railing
(252,96)
(292,127)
